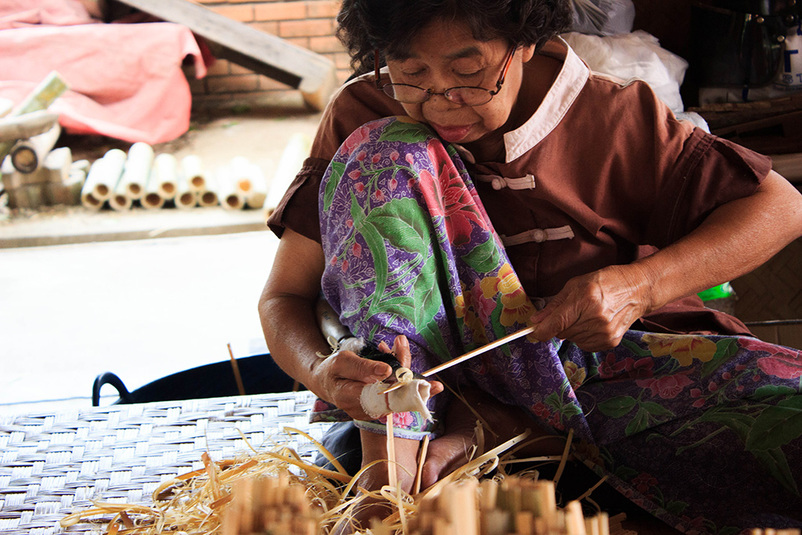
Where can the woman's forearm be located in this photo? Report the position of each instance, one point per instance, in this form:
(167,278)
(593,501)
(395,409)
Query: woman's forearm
(735,239)
(287,307)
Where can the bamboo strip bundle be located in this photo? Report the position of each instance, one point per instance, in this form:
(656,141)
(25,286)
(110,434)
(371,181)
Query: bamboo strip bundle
(270,505)
(137,171)
(512,506)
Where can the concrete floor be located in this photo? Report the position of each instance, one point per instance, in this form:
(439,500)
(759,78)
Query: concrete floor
(141,309)
(149,305)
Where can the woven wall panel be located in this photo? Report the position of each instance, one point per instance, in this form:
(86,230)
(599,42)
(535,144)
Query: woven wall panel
(54,464)
(774,290)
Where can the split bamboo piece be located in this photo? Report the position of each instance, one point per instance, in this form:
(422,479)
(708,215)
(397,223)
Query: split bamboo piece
(137,171)
(6,105)
(43,95)
(27,125)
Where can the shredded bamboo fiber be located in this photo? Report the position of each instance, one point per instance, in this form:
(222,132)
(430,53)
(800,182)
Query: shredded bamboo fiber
(242,465)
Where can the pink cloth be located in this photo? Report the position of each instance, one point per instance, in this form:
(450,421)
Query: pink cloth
(125,80)
(16,13)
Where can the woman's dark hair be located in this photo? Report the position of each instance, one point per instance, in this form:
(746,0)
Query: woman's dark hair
(390,25)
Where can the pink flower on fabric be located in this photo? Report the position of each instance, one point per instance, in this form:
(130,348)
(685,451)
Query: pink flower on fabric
(376,158)
(484,307)
(356,139)
(644,482)
(783,365)
(355,174)
(627,368)
(356,250)
(446,194)
(378,195)
(359,187)
(400,419)
(394,155)
(667,387)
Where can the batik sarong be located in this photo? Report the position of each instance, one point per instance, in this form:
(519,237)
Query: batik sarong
(702,431)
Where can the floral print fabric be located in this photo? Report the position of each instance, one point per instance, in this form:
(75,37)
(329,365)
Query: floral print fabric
(684,426)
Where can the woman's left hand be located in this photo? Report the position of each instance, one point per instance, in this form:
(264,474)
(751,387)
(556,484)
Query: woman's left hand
(595,310)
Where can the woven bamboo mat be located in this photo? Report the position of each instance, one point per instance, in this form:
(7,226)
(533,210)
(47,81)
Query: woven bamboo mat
(54,464)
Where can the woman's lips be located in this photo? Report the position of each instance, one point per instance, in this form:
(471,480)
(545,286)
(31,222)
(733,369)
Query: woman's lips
(452,134)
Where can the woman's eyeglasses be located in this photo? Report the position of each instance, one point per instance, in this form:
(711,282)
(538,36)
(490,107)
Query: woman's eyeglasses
(464,95)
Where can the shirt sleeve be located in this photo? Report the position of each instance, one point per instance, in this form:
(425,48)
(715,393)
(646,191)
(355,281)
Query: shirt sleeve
(710,171)
(355,104)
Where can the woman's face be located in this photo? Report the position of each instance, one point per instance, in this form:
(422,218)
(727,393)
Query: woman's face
(446,55)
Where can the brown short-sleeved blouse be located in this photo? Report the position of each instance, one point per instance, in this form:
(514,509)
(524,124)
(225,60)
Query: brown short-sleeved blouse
(601,174)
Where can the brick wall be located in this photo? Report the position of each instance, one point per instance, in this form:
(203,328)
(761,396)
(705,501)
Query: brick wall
(307,23)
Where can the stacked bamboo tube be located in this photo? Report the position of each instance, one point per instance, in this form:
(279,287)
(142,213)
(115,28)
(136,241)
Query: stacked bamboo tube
(155,181)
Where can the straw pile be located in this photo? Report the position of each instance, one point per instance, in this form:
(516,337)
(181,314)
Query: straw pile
(277,492)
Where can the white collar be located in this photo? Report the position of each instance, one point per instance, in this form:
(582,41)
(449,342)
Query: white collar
(563,92)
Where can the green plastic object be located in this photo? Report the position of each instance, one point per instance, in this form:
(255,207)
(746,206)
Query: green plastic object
(722,291)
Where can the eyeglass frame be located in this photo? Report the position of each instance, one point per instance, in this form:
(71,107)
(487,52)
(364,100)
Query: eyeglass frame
(429,93)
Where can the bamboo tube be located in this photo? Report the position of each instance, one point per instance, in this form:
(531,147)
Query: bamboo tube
(40,98)
(185,198)
(137,171)
(296,151)
(96,184)
(192,169)
(29,154)
(248,178)
(104,175)
(208,198)
(165,173)
(120,202)
(230,197)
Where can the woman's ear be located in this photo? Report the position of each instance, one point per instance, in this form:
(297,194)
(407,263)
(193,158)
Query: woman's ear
(527,52)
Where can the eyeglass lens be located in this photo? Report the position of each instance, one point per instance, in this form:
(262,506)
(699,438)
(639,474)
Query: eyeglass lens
(410,94)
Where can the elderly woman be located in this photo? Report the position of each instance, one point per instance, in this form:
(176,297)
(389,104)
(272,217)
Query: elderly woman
(484,181)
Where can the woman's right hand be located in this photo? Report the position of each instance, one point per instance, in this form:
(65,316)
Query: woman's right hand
(340,378)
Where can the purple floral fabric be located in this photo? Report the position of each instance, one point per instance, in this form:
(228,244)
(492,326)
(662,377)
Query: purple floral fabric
(702,431)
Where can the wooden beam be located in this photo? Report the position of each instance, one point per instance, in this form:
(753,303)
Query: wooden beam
(313,74)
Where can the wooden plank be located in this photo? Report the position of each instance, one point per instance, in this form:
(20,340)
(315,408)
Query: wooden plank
(311,73)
